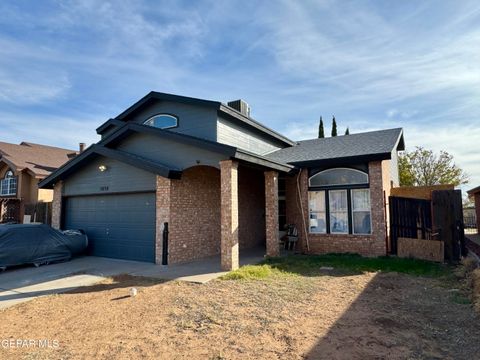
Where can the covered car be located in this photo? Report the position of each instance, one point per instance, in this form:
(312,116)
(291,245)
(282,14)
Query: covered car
(38,244)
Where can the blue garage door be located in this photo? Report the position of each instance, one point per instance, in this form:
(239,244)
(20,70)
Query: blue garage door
(118,226)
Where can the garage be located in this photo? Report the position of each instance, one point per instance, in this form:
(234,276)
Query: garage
(119,226)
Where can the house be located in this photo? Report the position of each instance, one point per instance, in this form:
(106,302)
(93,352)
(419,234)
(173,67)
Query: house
(22,166)
(215,181)
(475,194)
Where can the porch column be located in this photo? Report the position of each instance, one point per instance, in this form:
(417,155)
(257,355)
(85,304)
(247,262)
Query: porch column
(57,205)
(271,212)
(229,217)
(162,214)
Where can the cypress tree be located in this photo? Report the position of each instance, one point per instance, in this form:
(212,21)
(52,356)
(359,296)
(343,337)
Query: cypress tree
(321,132)
(334,127)
(347,132)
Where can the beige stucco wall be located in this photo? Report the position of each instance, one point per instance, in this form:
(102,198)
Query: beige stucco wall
(27,187)
(45,195)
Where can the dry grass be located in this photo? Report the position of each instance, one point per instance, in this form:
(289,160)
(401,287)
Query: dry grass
(467,265)
(336,314)
(476,289)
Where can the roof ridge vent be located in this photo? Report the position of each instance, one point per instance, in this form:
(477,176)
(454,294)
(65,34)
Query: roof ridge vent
(241,106)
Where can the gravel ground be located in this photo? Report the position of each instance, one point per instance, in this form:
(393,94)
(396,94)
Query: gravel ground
(332,316)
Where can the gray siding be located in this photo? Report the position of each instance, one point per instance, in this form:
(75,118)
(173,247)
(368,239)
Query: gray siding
(119,177)
(394,168)
(193,120)
(168,152)
(235,135)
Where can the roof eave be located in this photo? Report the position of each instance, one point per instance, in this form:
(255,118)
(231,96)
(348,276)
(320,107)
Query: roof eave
(473,191)
(107,124)
(129,128)
(400,144)
(262,161)
(154,95)
(10,164)
(95,150)
(343,160)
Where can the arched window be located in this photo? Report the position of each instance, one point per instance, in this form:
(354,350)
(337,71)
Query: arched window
(162,121)
(8,185)
(339,202)
(339,176)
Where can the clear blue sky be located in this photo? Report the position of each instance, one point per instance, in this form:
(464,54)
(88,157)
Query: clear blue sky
(66,66)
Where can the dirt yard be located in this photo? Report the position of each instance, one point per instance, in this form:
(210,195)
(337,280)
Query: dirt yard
(332,315)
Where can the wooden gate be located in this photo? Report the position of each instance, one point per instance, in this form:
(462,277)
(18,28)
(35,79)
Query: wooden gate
(448,222)
(438,219)
(409,218)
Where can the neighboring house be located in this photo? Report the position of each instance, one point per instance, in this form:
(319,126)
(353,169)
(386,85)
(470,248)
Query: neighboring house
(21,168)
(475,194)
(223,182)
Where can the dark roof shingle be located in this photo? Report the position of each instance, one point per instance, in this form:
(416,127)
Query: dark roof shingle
(369,144)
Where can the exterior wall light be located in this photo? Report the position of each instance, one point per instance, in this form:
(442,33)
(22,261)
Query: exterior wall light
(102,168)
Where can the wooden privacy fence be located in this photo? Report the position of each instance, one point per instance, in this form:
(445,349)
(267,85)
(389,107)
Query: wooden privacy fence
(409,218)
(440,218)
(40,212)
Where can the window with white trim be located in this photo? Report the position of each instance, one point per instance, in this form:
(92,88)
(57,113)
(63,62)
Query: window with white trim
(318,215)
(162,121)
(8,185)
(338,206)
(339,202)
(361,220)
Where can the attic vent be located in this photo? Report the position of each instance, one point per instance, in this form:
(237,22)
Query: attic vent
(240,106)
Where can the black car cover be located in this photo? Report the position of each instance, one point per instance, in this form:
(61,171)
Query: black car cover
(37,244)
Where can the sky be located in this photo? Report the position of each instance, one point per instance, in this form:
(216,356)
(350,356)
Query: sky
(68,66)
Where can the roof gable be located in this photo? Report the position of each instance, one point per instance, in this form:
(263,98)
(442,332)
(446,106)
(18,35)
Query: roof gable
(223,109)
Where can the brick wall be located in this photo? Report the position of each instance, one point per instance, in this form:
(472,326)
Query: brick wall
(57,205)
(366,245)
(271,211)
(229,214)
(251,208)
(194,226)
(192,208)
(387,188)
(162,214)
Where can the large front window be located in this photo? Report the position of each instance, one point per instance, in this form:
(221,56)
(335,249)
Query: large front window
(339,202)
(8,185)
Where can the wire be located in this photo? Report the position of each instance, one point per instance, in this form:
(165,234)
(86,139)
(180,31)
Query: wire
(301,209)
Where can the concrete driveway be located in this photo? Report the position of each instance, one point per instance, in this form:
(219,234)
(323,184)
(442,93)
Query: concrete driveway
(24,284)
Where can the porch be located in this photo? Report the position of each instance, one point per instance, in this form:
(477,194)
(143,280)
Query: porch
(211,212)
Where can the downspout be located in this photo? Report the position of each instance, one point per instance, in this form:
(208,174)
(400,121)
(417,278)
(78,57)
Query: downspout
(300,198)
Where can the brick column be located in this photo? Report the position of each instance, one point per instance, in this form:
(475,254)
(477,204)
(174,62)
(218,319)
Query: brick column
(378,212)
(271,212)
(229,217)
(57,205)
(163,194)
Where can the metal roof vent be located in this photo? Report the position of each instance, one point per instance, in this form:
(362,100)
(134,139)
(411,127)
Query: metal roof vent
(240,106)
